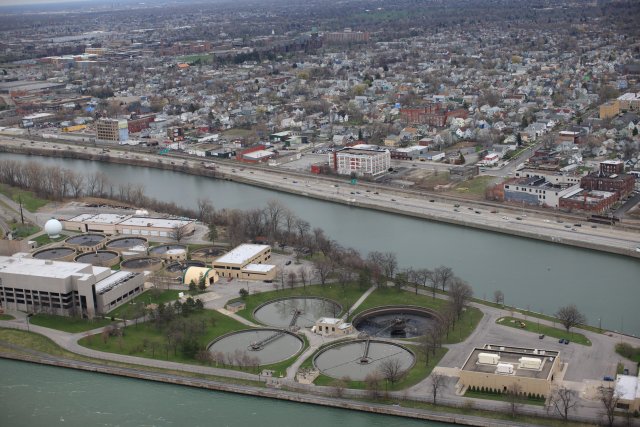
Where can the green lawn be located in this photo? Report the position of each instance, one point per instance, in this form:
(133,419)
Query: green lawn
(346,296)
(29,200)
(391,296)
(68,324)
(476,186)
(44,239)
(152,296)
(628,351)
(6,317)
(24,230)
(146,340)
(533,326)
(503,397)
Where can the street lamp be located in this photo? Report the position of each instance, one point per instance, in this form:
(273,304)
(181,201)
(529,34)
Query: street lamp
(28,316)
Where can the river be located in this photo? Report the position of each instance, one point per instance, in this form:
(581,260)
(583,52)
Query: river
(36,395)
(531,274)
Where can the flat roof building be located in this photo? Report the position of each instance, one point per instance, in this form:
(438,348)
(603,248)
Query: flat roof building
(112,131)
(627,389)
(64,288)
(361,160)
(128,224)
(497,368)
(246,261)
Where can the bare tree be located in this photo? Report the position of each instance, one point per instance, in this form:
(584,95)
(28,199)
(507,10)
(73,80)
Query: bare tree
(609,399)
(498,297)
(205,211)
(179,232)
(461,293)
(443,275)
(391,370)
(291,279)
(562,401)
(569,316)
(514,398)
(437,381)
(304,275)
(372,384)
(323,268)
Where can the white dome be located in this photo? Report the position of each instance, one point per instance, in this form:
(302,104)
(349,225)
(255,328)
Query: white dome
(53,227)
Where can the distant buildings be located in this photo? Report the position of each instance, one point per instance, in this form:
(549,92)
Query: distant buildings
(128,225)
(112,131)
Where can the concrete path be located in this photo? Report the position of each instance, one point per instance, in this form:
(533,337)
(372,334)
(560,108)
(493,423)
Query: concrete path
(234,316)
(360,301)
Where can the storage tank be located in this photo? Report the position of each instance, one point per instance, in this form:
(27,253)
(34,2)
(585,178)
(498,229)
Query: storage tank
(530,362)
(504,368)
(488,358)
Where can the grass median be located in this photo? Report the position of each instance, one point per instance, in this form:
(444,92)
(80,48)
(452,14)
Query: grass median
(537,328)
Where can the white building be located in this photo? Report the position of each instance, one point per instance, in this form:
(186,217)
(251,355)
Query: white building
(64,288)
(362,160)
(332,327)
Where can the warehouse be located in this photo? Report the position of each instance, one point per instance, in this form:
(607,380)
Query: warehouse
(64,288)
(498,368)
(128,224)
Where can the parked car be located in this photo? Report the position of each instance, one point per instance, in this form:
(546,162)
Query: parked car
(561,340)
(288,262)
(608,378)
(541,336)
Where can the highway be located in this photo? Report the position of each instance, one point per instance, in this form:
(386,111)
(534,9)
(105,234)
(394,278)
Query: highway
(550,227)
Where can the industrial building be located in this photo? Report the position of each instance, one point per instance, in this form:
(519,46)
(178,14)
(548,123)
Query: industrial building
(112,131)
(497,368)
(246,262)
(332,327)
(64,288)
(110,224)
(627,389)
(361,159)
(537,191)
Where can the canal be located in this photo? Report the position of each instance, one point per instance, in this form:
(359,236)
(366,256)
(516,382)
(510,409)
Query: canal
(531,274)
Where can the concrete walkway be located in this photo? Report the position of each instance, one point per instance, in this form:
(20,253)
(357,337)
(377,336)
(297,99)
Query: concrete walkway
(360,301)
(236,317)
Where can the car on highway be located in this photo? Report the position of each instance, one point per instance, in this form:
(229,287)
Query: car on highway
(518,218)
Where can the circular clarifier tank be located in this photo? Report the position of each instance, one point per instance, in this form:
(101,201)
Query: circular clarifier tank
(56,253)
(87,239)
(253,347)
(141,264)
(280,312)
(124,243)
(395,321)
(100,258)
(359,358)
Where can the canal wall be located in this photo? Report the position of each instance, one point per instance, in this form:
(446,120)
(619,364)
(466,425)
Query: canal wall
(271,393)
(176,164)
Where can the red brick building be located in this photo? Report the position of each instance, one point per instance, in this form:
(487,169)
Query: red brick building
(589,201)
(140,123)
(620,184)
(431,114)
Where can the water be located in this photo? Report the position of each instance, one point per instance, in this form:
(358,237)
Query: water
(534,274)
(237,351)
(394,325)
(280,313)
(44,396)
(344,360)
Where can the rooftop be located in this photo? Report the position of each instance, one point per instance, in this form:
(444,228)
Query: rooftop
(155,222)
(242,253)
(105,218)
(512,355)
(43,268)
(628,387)
(115,280)
(259,268)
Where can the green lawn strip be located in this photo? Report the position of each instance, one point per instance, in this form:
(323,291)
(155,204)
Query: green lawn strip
(21,231)
(44,239)
(6,317)
(532,326)
(36,342)
(504,397)
(391,296)
(628,351)
(476,186)
(151,296)
(29,200)
(147,340)
(528,313)
(68,324)
(346,296)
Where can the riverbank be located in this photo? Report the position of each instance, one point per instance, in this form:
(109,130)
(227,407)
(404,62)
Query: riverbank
(616,240)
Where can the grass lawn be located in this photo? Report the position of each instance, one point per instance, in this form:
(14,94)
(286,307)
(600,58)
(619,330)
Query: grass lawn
(628,351)
(476,186)
(6,317)
(44,239)
(346,296)
(503,397)
(67,324)
(33,341)
(151,296)
(391,296)
(24,230)
(532,326)
(146,340)
(29,200)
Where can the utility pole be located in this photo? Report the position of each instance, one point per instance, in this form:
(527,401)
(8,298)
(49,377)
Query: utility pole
(21,213)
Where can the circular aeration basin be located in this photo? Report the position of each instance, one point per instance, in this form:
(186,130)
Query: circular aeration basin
(207,254)
(280,312)
(100,258)
(253,347)
(87,239)
(141,264)
(357,359)
(181,266)
(56,253)
(395,321)
(165,249)
(122,243)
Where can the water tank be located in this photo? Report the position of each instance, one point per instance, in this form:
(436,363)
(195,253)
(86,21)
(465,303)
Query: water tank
(53,227)
(530,362)
(488,358)
(504,368)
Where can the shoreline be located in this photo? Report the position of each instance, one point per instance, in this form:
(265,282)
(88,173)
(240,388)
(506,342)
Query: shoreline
(270,393)
(218,174)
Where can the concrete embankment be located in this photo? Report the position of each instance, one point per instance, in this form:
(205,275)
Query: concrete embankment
(272,393)
(178,166)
